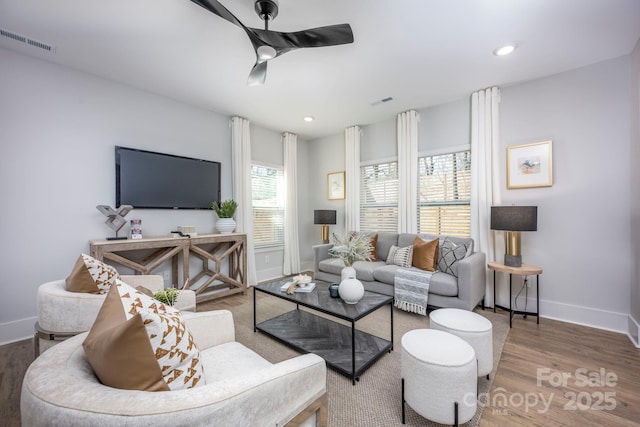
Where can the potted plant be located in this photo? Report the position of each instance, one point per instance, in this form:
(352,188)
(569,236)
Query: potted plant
(351,247)
(168,296)
(225,211)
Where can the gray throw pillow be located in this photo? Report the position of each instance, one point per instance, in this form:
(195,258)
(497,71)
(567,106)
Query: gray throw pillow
(450,254)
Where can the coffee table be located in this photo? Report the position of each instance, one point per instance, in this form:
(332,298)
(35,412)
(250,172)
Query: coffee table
(345,349)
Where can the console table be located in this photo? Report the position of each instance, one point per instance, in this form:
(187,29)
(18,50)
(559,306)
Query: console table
(215,248)
(524,270)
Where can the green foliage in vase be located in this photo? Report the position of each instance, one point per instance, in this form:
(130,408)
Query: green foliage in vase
(351,247)
(225,209)
(168,296)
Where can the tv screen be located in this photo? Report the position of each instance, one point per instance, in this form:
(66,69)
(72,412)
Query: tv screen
(148,180)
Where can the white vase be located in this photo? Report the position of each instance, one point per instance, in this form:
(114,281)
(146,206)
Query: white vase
(225,225)
(351,289)
(348,273)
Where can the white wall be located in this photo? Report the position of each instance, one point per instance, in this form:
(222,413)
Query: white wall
(58,129)
(582,242)
(634,158)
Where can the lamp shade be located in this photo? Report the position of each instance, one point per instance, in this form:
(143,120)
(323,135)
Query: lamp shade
(324,217)
(514,218)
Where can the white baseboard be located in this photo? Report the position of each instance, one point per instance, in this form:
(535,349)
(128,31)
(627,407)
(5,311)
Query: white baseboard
(17,330)
(634,331)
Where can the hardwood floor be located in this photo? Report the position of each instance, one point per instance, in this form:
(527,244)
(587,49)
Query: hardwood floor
(552,374)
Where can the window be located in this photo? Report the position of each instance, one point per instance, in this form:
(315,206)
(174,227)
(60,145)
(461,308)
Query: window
(267,190)
(444,188)
(379,197)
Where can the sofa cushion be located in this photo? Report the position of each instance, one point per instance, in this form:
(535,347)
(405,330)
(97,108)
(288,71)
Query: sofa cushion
(91,276)
(365,269)
(400,256)
(331,265)
(425,254)
(440,283)
(385,241)
(451,253)
(138,343)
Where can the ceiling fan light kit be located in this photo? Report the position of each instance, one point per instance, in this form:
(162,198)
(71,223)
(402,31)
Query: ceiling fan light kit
(269,44)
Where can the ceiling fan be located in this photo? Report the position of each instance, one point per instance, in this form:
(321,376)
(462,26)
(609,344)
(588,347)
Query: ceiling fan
(270,44)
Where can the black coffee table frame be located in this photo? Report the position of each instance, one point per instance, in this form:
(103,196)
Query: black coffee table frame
(345,349)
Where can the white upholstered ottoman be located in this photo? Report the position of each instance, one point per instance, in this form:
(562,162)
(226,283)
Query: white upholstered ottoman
(439,376)
(471,327)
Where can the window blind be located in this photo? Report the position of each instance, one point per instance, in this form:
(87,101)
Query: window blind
(379,197)
(444,194)
(267,190)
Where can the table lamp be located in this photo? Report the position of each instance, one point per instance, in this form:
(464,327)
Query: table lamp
(513,220)
(324,218)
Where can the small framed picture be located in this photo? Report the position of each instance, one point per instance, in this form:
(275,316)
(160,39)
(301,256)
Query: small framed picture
(530,165)
(335,185)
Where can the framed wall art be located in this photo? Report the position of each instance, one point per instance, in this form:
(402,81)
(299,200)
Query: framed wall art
(335,185)
(530,165)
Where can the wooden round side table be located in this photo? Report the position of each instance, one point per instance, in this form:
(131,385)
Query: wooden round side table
(524,270)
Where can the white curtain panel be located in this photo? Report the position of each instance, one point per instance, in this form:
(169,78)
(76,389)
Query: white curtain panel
(291,248)
(241,165)
(352,177)
(485,182)
(407,139)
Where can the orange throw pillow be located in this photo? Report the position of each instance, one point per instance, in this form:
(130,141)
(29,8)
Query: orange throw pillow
(425,254)
(374,251)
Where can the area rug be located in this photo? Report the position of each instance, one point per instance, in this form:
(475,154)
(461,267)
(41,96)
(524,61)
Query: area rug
(376,399)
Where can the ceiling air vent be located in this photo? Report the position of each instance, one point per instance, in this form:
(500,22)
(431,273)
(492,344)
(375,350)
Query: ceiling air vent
(26,40)
(381,101)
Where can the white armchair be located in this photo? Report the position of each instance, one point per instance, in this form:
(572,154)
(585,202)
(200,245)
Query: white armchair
(62,314)
(241,388)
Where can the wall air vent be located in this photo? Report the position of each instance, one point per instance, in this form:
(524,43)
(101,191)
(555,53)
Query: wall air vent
(381,101)
(26,40)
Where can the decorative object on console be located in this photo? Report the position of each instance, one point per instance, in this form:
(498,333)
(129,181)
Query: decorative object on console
(513,220)
(351,247)
(115,218)
(324,218)
(136,229)
(225,211)
(187,230)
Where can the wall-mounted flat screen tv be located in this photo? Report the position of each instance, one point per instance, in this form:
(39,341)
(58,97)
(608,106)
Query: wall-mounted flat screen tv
(148,180)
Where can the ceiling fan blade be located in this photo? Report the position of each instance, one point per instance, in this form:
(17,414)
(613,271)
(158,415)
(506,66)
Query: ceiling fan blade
(331,35)
(258,74)
(217,8)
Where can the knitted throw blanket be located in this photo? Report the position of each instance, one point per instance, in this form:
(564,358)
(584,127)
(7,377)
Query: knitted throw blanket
(412,289)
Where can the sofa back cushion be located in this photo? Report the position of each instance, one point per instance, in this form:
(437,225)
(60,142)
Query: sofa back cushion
(385,241)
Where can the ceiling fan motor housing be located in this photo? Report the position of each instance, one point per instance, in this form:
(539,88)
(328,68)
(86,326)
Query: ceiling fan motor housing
(267,10)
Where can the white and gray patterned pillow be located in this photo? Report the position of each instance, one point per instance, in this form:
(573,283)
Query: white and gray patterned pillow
(400,256)
(450,254)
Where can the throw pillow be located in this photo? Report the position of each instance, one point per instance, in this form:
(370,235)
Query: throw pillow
(138,343)
(374,251)
(450,254)
(400,256)
(425,254)
(91,276)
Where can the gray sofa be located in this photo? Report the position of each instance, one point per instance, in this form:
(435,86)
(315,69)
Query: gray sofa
(445,290)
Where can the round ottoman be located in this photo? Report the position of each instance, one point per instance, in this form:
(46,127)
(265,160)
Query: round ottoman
(471,327)
(439,376)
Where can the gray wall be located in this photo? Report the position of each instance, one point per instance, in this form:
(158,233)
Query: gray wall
(583,242)
(634,158)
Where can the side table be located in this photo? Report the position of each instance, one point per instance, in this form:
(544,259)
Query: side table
(524,270)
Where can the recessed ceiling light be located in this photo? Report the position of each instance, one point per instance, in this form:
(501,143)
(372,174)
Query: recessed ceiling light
(309,118)
(505,50)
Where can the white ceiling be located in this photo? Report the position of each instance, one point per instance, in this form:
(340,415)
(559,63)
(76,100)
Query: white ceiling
(420,52)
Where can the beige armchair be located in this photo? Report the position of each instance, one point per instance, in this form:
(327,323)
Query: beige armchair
(63,314)
(241,388)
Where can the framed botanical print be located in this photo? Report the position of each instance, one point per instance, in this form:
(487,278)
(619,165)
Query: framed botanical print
(530,165)
(335,185)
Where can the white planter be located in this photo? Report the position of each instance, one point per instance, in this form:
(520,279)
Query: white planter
(351,290)
(225,225)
